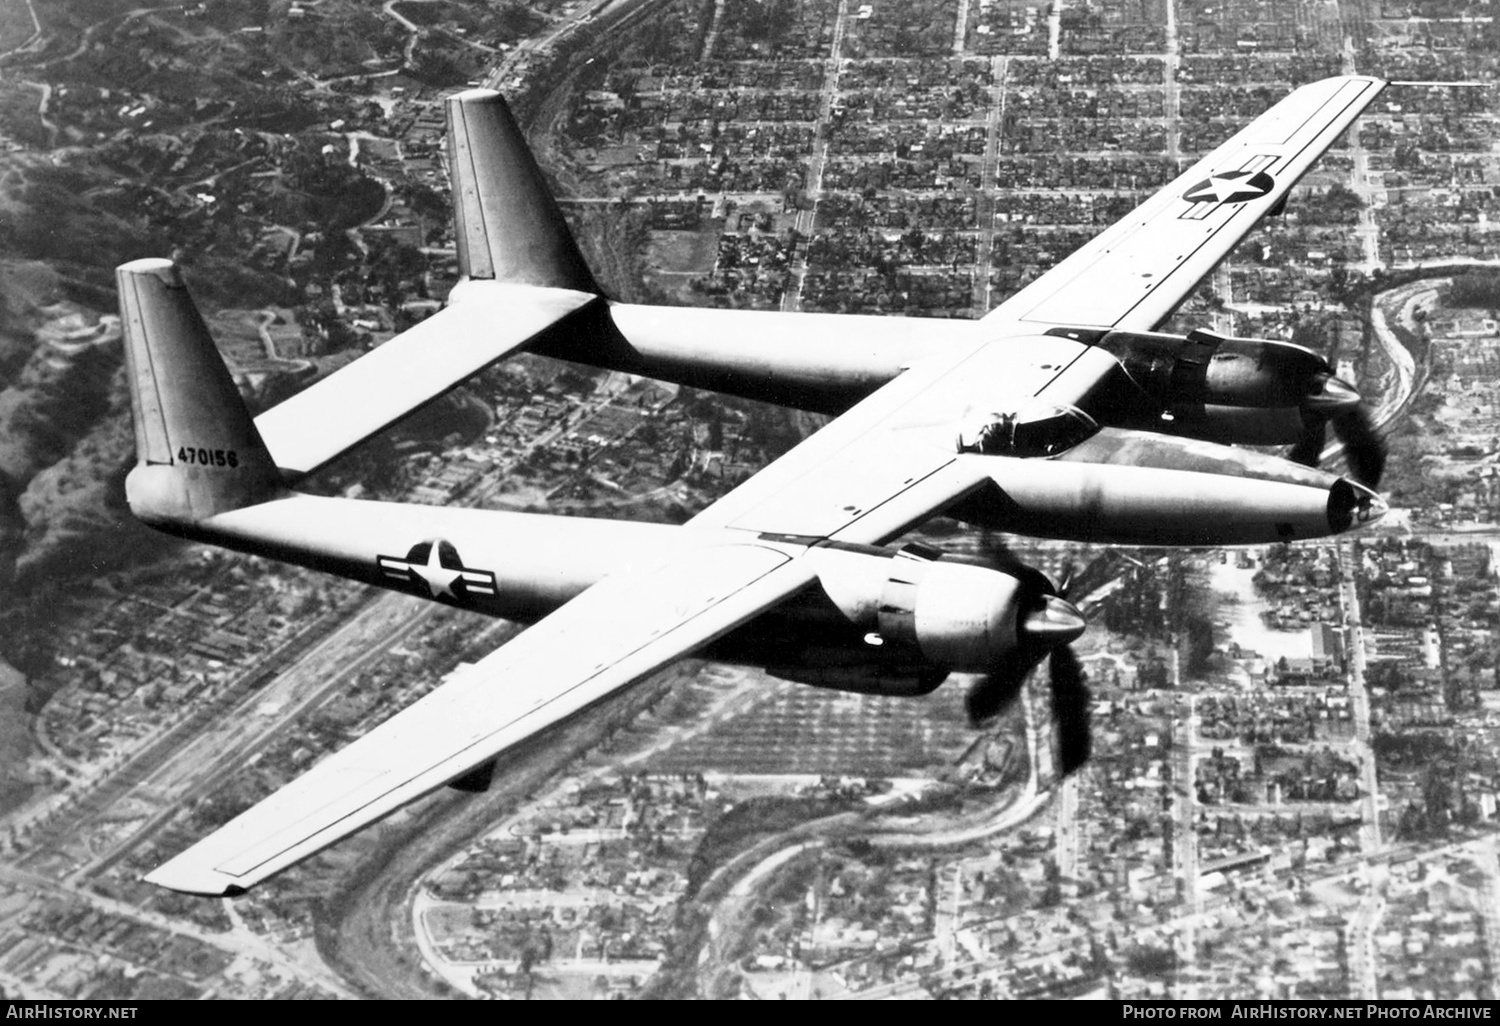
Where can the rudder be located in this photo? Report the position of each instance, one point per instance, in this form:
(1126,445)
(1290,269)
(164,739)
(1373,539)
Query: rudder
(508,225)
(197,450)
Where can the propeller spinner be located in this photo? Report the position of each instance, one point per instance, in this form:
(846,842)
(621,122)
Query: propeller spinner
(1048,625)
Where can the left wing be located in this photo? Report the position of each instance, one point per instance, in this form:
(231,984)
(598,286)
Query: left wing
(611,636)
(1136,272)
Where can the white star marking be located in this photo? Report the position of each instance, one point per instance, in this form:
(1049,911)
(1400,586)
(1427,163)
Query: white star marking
(1223,188)
(438,577)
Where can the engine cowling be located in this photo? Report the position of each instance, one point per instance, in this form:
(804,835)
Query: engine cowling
(898,623)
(953,614)
(1232,390)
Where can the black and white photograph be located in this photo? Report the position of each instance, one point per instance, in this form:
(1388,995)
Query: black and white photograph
(750,500)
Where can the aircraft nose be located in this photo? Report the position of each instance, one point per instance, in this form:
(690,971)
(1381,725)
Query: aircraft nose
(1351,504)
(1056,623)
(1334,396)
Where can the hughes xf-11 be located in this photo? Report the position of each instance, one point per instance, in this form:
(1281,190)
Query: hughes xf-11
(1063,414)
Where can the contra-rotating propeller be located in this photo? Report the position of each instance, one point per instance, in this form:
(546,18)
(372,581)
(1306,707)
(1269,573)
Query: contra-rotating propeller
(1047,624)
(1333,401)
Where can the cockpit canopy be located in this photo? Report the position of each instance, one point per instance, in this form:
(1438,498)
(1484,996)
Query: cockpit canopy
(1036,430)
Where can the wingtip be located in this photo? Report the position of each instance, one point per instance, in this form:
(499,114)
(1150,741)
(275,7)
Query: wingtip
(188,879)
(157,267)
(478,94)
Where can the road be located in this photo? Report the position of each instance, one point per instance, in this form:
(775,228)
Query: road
(988,173)
(1359,697)
(818,160)
(1363,183)
(31,41)
(119,785)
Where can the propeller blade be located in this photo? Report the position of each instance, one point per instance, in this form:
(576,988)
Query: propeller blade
(1309,448)
(1363,446)
(1069,578)
(994,692)
(1047,624)
(1333,401)
(1070,710)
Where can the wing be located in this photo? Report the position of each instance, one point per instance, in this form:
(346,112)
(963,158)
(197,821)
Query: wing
(886,465)
(485,322)
(1134,274)
(611,636)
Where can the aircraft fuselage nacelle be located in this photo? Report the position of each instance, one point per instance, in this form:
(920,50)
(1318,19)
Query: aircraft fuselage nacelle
(1129,487)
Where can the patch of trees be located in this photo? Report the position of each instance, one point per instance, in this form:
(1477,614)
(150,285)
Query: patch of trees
(750,821)
(1410,751)
(62,226)
(1476,288)
(443,67)
(1151,961)
(678,32)
(1440,807)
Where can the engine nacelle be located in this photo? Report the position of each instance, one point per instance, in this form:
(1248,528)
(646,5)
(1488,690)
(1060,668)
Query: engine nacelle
(951,614)
(867,678)
(897,623)
(1233,390)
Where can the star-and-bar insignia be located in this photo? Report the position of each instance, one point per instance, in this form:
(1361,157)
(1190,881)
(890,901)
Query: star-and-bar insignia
(435,567)
(1230,187)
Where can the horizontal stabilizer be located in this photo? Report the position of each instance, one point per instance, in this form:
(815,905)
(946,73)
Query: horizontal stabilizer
(484,322)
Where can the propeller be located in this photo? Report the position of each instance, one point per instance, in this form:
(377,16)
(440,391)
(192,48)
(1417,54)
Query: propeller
(1046,626)
(1070,710)
(1333,401)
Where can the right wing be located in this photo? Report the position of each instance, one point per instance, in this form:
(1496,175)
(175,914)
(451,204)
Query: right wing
(484,322)
(1136,272)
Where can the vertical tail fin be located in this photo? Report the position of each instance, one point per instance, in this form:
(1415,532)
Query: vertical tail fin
(197,450)
(509,226)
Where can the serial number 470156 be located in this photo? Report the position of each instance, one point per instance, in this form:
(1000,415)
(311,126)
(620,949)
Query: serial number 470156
(208,457)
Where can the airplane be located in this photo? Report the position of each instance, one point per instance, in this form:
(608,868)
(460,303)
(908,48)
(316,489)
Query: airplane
(1064,413)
